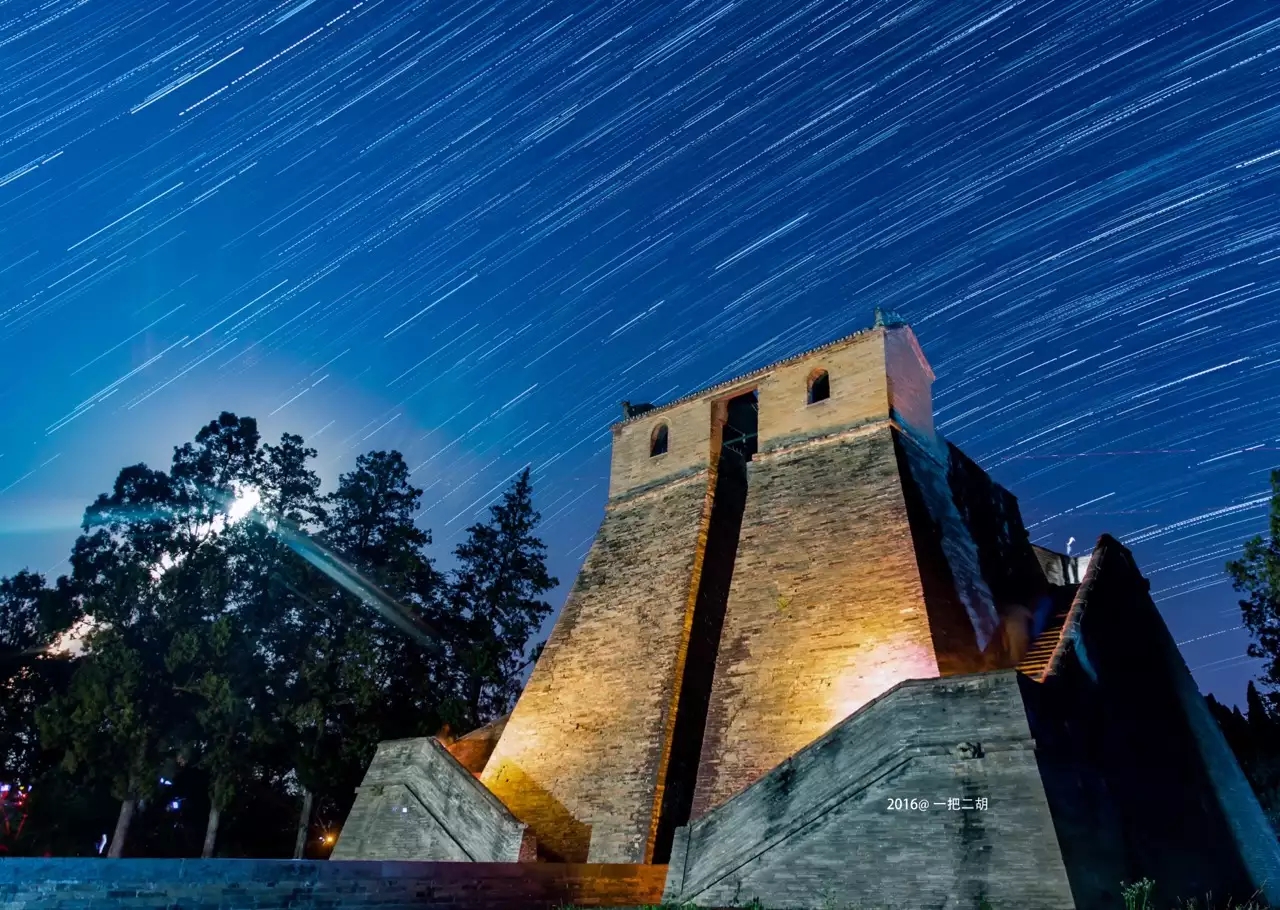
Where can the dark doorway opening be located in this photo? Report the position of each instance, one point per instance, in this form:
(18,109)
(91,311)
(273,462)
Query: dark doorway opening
(742,423)
(738,446)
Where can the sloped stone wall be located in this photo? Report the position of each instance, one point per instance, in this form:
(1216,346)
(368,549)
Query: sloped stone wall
(417,802)
(1137,759)
(863,817)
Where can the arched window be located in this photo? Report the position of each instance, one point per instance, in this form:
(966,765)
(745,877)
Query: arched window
(658,440)
(819,386)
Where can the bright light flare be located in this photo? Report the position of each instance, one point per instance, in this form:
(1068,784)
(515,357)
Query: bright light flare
(247,499)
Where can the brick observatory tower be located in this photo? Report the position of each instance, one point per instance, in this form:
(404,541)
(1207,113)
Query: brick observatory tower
(790,482)
(780,555)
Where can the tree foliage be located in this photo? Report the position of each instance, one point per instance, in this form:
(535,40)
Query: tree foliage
(1254,737)
(32,617)
(247,639)
(497,604)
(1256,574)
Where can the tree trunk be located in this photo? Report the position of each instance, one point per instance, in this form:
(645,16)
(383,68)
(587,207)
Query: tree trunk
(122,828)
(210,832)
(304,824)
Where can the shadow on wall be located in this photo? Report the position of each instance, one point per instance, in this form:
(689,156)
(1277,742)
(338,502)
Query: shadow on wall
(561,837)
(977,566)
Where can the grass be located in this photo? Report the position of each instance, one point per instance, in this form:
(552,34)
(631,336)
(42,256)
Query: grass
(1137,896)
(1134,895)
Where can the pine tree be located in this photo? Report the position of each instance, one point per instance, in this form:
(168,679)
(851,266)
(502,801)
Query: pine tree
(354,677)
(496,594)
(371,524)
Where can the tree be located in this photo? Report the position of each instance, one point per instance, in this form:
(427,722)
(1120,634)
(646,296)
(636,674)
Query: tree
(172,664)
(32,618)
(118,717)
(1257,575)
(290,605)
(372,526)
(216,648)
(358,677)
(246,632)
(496,594)
(111,722)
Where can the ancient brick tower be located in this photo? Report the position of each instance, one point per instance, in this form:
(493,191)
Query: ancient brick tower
(803,604)
(755,580)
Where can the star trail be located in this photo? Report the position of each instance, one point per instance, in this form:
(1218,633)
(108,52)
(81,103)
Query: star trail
(468,230)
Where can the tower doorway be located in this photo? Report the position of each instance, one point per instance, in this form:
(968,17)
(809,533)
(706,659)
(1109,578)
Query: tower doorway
(742,425)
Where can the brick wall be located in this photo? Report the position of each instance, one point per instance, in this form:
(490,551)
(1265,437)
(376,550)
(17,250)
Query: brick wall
(910,381)
(689,437)
(581,754)
(473,750)
(859,392)
(825,608)
(179,884)
(609,678)
(976,563)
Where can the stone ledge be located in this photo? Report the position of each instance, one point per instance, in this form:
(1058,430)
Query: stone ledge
(135,884)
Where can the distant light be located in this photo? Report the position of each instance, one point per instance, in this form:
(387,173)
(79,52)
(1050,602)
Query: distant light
(245,502)
(166,782)
(102,844)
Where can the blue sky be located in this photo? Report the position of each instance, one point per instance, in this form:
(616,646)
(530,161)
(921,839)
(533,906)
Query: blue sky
(468,230)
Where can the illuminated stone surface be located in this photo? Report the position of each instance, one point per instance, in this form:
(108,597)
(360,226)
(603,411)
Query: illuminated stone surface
(716,682)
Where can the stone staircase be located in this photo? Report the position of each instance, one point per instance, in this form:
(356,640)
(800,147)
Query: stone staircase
(1036,661)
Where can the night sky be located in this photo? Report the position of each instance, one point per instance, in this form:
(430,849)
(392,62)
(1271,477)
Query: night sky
(469,230)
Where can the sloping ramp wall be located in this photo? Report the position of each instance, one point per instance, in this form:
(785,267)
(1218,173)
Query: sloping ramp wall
(1141,781)
(417,802)
(835,821)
